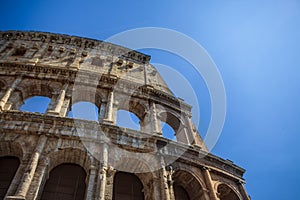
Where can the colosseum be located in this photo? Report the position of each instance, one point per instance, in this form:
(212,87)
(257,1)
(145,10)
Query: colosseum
(53,155)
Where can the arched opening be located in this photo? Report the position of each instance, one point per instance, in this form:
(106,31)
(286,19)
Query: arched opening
(8,167)
(84,110)
(127,186)
(66,182)
(132,115)
(128,119)
(180,193)
(186,186)
(171,126)
(226,193)
(36,104)
(168,131)
(31,95)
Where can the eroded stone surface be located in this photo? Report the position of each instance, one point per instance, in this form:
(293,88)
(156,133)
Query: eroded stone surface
(70,69)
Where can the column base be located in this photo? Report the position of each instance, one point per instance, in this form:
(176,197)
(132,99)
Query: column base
(74,66)
(6,106)
(52,112)
(197,147)
(107,121)
(157,133)
(15,198)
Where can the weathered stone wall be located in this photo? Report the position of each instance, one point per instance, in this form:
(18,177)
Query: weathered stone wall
(69,69)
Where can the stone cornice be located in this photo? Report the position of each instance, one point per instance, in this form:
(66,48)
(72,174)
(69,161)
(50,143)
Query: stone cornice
(86,44)
(69,74)
(61,127)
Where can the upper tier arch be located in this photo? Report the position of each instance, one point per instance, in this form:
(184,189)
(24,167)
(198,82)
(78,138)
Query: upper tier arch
(70,69)
(58,50)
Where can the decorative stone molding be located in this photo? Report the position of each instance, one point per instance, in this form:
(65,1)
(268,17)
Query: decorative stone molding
(58,66)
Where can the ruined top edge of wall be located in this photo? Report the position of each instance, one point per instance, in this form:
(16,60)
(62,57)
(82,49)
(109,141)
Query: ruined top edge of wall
(78,42)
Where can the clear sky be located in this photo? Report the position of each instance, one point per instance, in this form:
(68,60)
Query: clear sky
(255,45)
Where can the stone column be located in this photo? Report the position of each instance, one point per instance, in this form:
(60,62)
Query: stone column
(7,94)
(156,188)
(41,179)
(109,107)
(189,127)
(59,101)
(31,167)
(102,171)
(110,174)
(155,124)
(171,183)
(145,123)
(91,183)
(164,181)
(172,194)
(243,190)
(209,184)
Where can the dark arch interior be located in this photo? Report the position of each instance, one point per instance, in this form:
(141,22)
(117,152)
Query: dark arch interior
(180,193)
(226,193)
(127,186)
(8,168)
(186,186)
(66,182)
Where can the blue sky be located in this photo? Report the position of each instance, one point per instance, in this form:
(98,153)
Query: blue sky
(255,45)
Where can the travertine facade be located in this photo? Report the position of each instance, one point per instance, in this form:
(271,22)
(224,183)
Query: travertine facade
(70,69)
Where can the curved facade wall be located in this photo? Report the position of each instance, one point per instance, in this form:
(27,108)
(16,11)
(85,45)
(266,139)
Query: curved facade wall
(69,70)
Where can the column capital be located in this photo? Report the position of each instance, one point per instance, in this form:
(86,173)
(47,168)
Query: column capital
(240,182)
(205,168)
(15,198)
(92,167)
(9,91)
(110,171)
(170,170)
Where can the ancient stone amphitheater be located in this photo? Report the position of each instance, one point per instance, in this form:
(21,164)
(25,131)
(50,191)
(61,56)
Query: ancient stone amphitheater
(55,156)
